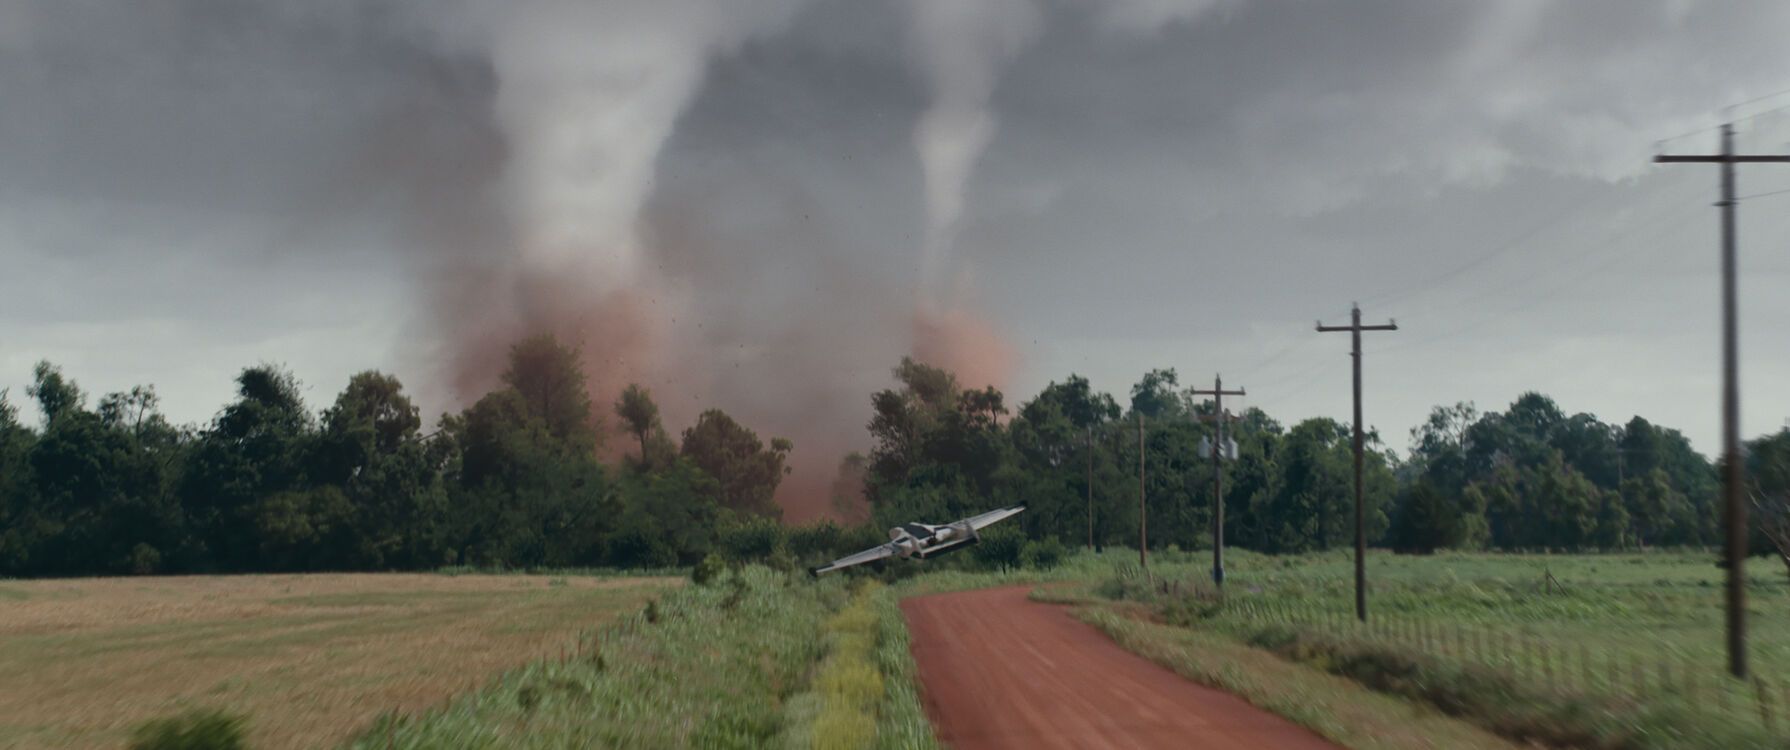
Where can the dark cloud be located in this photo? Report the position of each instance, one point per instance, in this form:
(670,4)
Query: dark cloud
(189,187)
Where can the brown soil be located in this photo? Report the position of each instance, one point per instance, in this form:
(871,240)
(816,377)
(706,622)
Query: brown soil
(1001,671)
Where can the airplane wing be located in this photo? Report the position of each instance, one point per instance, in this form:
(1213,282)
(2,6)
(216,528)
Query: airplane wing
(979,522)
(867,556)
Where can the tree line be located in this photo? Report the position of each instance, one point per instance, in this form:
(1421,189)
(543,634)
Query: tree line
(512,481)
(515,480)
(1530,477)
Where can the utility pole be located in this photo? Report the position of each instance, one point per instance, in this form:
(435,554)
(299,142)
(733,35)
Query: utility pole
(1218,448)
(1355,328)
(1143,537)
(1090,487)
(1735,510)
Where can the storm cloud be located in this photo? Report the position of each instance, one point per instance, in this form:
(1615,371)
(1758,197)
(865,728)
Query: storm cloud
(189,187)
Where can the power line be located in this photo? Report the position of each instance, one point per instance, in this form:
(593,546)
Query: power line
(1291,346)
(1755,100)
(1590,195)
(1730,108)
(1761,113)
(1600,263)
(1763,195)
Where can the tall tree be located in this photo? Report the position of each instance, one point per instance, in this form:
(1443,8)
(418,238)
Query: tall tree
(1155,396)
(640,416)
(20,526)
(546,376)
(748,472)
(55,394)
(257,447)
(388,478)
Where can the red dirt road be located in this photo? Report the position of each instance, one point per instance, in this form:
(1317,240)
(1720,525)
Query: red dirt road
(1001,671)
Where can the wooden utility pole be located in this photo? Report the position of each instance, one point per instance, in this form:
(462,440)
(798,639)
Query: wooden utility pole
(1143,537)
(1734,514)
(1218,416)
(1355,328)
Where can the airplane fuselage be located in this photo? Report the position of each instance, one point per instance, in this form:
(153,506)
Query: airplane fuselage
(925,540)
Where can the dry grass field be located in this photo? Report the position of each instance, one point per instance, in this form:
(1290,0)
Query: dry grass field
(310,659)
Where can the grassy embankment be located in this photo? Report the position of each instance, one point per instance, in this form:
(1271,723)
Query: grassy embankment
(752,659)
(306,660)
(1619,651)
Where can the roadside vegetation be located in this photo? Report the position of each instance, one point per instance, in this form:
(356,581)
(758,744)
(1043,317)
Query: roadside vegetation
(1606,651)
(752,658)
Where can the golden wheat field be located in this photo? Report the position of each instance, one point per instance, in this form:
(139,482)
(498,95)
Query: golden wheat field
(309,659)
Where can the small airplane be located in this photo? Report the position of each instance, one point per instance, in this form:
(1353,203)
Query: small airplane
(924,540)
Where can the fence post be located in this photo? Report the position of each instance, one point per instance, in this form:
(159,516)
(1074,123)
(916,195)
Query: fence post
(1585,664)
(1763,697)
(1693,685)
(1547,664)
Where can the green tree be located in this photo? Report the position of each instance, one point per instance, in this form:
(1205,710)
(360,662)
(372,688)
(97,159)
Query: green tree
(259,446)
(1590,447)
(20,527)
(904,418)
(55,394)
(640,416)
(388,477)
(1658,513)
(99,484)
(1155,397)
(524,495)
(746,471)
(546,377)
(669,517)
(1060,441)
(1567,505)
(1427,521)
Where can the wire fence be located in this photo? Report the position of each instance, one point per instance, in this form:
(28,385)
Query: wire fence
(1541,661)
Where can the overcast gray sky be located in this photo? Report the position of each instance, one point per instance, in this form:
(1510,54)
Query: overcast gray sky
(190,187)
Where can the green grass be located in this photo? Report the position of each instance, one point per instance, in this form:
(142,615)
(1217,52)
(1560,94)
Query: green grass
(705,666)
(1628,654)
(901,723)
(1335,707)
(191,730)
(756,658)
(849,684)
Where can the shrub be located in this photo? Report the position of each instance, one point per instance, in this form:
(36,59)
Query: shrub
(197,729)
(816,540)
(752,540)
(707,570)
(1043,554)
(635,548)
(1188,602)
(145,560)
(999,549)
